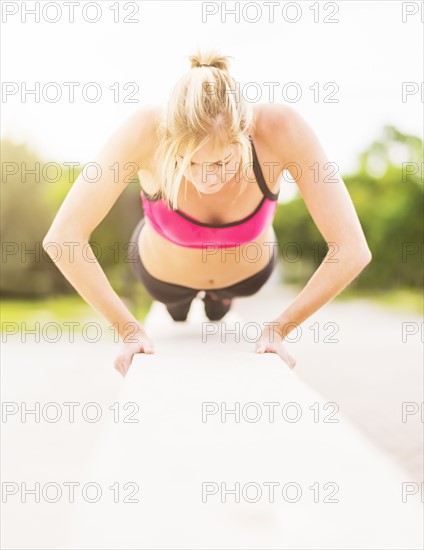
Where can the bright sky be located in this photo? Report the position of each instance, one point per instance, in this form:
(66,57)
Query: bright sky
(368,54)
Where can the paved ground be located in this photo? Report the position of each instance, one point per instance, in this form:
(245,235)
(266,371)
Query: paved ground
(369,372)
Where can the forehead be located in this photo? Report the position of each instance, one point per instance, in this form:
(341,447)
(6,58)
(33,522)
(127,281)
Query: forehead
(212,154)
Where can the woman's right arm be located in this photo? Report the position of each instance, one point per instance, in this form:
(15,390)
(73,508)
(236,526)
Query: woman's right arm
(86,205)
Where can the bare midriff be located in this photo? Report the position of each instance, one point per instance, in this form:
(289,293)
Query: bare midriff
(201,268)
(217,267)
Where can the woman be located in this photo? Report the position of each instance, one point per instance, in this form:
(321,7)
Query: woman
(210,168)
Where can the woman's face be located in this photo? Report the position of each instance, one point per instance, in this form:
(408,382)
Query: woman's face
(210,169)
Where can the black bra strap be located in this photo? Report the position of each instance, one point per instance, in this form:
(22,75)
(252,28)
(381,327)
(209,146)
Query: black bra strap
(259,175)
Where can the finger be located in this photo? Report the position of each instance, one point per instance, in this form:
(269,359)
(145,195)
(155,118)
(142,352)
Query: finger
(126,362)
(122,363)
(292,361)
(281,352)
(287,358)
(260,346)
(118,367)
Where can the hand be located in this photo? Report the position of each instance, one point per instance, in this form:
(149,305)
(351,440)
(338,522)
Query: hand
(271,340)
(138,342)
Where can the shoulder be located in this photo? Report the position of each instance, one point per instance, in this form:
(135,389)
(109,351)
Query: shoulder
(277,116)
(133,143)
(144,128)
(132,140)
(147,116)
(282,128)
(137,133)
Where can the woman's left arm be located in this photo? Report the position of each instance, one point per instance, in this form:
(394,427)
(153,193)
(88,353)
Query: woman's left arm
(332,210)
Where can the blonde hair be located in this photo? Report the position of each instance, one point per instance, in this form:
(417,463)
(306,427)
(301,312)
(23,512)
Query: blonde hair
(203,106)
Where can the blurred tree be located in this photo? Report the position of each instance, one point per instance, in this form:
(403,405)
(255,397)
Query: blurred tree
(388,203)
(387,191)
(31,194)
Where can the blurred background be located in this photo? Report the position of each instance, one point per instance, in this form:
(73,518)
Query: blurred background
(389,208)
(356,75)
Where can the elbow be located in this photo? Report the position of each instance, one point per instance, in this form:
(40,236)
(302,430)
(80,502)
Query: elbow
(47,241)
(51,244)
(366,254)
(64,236)
(364,257)
(52,241)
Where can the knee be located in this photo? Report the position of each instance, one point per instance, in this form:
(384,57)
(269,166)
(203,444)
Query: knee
(179,311)
(178,317)
(215,309)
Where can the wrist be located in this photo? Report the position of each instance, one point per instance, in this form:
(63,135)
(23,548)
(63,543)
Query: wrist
(283,326)
(129,329)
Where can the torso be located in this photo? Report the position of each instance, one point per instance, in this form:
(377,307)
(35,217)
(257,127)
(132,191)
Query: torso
(187,266)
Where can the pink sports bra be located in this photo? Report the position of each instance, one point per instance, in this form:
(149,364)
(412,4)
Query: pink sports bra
(183,230)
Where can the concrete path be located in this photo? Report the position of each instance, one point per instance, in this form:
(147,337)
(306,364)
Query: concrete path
(307,462)
(234,450)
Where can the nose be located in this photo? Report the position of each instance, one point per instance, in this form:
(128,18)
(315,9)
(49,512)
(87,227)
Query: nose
(209,181)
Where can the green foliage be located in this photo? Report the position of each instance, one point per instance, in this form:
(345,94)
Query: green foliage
(29,204)
(60,309)
(389,203)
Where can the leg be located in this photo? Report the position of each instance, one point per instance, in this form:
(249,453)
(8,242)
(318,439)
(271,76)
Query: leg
(218,301)
(176,298)
(179,310)
(215,306)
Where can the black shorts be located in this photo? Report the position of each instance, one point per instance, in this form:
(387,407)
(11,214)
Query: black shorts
(173,294)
